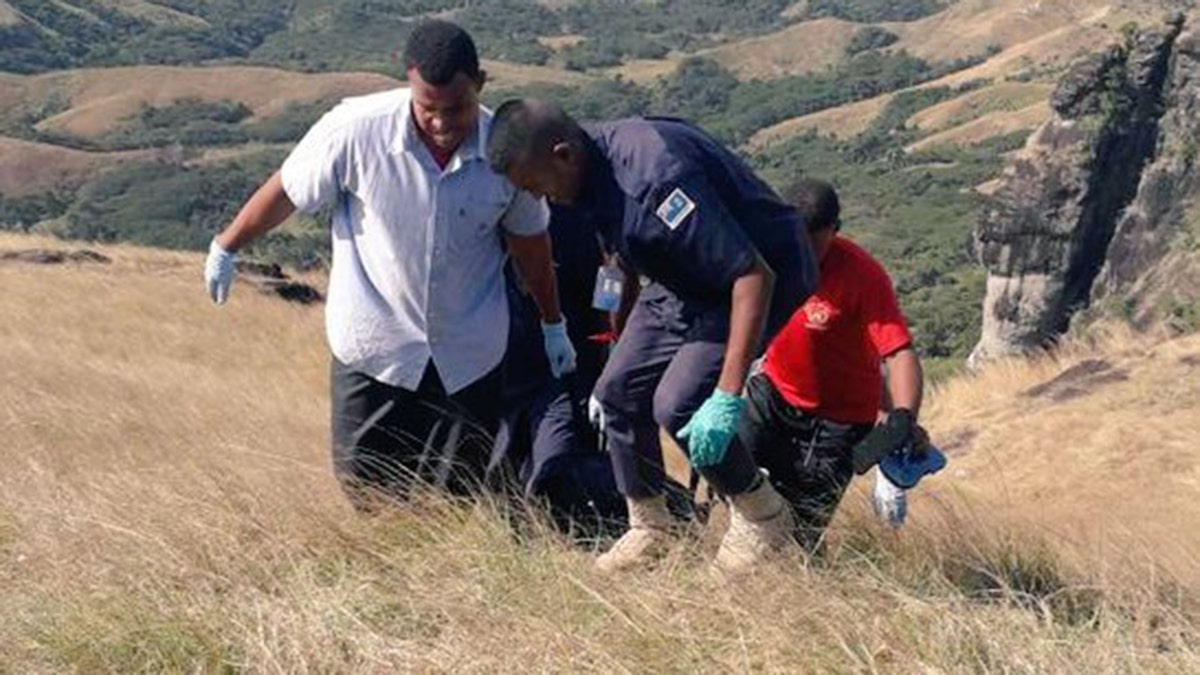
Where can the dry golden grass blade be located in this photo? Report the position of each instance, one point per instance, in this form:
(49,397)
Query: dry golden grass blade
(166,506)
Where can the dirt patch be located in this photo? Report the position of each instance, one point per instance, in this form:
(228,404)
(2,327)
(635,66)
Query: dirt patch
(270,279)
(41,256)
(1078,381)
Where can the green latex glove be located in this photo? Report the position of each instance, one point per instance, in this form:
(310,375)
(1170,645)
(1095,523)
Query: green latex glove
(710,430)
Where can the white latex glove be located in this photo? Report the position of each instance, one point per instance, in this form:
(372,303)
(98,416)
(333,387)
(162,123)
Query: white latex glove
(218,272)
(559,350)
(890,501)
(596,414)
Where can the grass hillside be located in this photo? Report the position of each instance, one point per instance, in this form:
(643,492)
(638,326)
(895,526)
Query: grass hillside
(94,103)
(167,506)
(35,168)
(153,126)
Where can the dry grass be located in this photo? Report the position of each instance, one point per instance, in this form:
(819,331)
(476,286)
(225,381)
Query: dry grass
(989,125)
(32,168)
(502,75)
(166,506)
(645,71)
(1002,97)
(967,26)
(843,122)
(1038,40)
(9,16)
(798,49)
(1104,458)
(561,42)
(101,98)
(155,13)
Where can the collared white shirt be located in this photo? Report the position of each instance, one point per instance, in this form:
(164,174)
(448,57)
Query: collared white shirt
(417,261)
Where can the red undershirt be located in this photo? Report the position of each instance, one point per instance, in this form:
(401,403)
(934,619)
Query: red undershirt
(440,156)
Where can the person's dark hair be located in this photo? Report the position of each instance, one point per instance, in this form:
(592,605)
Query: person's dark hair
(817,201)
(440,50)
(528,128)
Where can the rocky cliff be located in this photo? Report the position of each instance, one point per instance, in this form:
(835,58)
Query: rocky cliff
(1095,212)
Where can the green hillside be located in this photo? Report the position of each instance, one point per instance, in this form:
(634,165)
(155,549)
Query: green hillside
(913,210)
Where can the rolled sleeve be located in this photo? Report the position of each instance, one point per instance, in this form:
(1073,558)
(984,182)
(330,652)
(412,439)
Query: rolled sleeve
(526,215)
(313,174)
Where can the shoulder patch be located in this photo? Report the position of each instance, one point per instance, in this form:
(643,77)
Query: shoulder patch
(675,208)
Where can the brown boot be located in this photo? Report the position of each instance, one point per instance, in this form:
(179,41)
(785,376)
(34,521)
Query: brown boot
(760,527)
(646,540)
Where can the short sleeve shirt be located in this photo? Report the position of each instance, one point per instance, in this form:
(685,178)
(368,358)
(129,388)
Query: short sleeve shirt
(826,360)
(417,272)
(689,214)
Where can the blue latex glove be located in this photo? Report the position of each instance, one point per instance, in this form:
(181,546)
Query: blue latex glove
(559,350)
(711,429)
(907,466)
(218,272)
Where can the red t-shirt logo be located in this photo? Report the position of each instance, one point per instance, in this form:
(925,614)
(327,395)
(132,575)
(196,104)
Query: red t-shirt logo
(819,313)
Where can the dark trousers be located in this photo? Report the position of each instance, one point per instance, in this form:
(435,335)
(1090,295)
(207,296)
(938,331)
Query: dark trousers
(665,365)
(550,453)
(807,457)
(388,440)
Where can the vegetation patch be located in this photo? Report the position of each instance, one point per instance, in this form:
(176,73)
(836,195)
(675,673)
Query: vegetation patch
(872,11)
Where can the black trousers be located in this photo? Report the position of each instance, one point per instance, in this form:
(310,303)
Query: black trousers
(388,440)
(807,457)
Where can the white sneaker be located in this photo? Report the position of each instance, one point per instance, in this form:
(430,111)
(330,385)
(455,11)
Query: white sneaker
(760,527)
(646,540)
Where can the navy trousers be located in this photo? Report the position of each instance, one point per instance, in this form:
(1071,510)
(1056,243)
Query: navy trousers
(665,366)
(547,450)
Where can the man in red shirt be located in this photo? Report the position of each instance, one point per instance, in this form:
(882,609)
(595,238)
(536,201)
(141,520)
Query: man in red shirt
(821,390)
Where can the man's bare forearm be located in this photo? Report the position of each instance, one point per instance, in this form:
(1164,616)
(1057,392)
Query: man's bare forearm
(748,315)
(905,380)
(267,207)
(535,261)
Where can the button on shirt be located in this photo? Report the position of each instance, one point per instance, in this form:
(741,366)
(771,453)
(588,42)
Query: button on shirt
(691,215)
(417,270)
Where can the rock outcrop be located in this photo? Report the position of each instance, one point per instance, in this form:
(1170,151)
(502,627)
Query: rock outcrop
(1091,209)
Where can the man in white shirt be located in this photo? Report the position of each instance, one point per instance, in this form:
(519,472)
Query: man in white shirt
(416,315)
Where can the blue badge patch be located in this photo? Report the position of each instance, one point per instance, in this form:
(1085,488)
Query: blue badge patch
(676,208)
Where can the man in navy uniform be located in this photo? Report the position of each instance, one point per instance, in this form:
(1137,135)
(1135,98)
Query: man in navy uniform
(725,268)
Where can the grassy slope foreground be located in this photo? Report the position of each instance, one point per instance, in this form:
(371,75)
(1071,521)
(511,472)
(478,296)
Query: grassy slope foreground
(166,505)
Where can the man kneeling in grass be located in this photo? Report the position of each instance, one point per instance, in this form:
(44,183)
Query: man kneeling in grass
(819,392)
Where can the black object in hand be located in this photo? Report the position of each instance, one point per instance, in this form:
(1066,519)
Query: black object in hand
(883,440)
